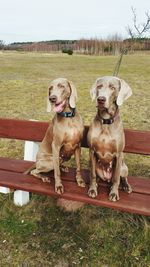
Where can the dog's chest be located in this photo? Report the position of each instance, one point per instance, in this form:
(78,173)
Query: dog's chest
(71,141)
(104,145)
(72,135)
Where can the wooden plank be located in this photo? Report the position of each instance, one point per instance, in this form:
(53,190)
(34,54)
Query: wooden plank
(23,129)
(139,184)
(134,203)
(15,165)
(137,142)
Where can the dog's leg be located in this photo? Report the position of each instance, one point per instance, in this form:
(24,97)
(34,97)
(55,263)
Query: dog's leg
(79,178)
(93,184)
(123,178)
(58,183)
(41,176)
(62,167)
(37,174)
(43,165)
(114,193)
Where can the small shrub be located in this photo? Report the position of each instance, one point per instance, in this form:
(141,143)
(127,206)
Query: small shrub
(68,51)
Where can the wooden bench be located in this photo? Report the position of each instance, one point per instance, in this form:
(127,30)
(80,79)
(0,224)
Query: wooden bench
(11,170)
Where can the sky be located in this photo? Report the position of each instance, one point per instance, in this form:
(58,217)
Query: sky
(41,20)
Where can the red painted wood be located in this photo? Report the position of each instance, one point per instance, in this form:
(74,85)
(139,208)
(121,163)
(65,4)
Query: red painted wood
(15,165)
(137,142)
(134,203)
(23,129)
(139,184)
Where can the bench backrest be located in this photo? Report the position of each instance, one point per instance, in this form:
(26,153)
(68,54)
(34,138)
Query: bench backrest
(137,142)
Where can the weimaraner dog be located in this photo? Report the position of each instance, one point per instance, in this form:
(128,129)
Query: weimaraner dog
(106,136)
(63,136)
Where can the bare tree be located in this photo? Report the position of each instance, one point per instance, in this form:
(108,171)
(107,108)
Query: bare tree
(2,44)
(139,28)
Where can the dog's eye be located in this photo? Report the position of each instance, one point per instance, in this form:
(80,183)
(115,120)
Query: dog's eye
(112,88)
(99,86)
(61,86)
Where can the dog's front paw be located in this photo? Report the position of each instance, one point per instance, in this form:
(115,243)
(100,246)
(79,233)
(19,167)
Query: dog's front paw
(113,195)
(80,181)
(92,191)
(125,185)
(59,189)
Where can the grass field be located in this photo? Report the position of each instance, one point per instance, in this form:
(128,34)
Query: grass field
(40,234)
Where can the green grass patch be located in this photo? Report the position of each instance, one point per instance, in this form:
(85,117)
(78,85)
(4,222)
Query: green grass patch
(40,234)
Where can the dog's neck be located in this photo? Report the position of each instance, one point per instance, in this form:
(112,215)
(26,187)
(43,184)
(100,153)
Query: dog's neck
(68,112)
(105,118)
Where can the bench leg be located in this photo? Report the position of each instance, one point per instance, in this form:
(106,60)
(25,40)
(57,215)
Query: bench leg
(4,190)
(30,150)
(21,197)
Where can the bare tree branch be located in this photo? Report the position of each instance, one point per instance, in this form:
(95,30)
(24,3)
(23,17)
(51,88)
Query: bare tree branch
(135,20)
(141,28)
(146,26)
(130,32)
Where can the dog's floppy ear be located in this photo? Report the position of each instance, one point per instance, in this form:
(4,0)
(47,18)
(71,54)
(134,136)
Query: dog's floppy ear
(93,91)
(124,93)
(48,102)
(73,96)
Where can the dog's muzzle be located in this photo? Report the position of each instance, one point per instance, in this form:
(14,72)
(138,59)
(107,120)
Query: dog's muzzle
(53,99)
(101,99)
(101,102)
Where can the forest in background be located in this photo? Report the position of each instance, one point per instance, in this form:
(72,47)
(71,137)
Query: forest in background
(93,46)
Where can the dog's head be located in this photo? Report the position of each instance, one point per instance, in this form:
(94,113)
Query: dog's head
(110,92)
(61,93)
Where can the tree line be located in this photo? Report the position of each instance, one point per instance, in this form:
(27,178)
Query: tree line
(91,46)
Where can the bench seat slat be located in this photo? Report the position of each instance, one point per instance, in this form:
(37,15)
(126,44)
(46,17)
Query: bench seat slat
(134,203)
(139,184)
(137,142)
(15,165)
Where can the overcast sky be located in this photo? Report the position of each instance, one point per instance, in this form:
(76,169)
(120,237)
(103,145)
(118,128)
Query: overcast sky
(36,20)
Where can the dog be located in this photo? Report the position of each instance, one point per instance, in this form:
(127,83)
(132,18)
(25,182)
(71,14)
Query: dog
(106,138)
(63,136)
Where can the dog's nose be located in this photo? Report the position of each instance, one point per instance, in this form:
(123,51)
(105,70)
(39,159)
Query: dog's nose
(53,98)
(101,99)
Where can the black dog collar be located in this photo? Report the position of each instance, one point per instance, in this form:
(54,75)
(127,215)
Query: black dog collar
(111,120)
(107,121)
(68,114)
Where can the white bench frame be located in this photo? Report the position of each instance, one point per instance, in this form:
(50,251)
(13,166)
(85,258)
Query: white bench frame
(22,197)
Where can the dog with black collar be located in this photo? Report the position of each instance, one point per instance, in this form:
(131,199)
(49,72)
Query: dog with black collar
(106,138)
(63,136)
